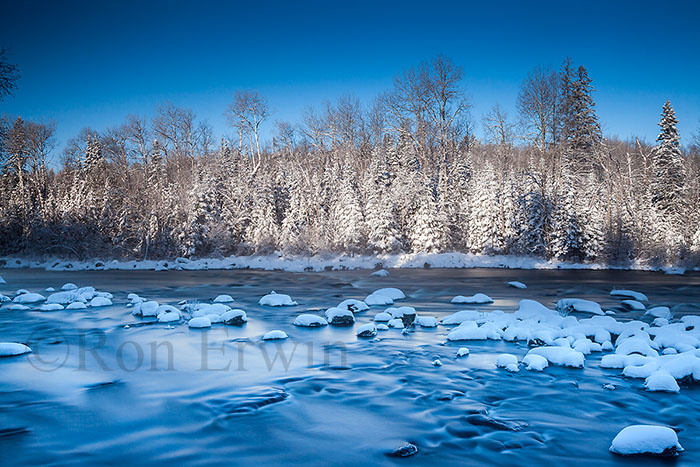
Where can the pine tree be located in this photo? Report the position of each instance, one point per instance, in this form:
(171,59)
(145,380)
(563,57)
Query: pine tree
(669,175)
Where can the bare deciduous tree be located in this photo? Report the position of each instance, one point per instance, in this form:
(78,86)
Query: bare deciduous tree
(247,112)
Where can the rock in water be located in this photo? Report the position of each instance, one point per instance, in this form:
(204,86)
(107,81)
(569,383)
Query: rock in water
(406,450)
(646,439)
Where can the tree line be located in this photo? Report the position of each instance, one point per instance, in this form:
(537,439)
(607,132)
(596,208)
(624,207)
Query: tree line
(404,173)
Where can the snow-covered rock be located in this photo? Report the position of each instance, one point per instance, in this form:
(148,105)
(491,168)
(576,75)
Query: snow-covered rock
(277,299)
(12,349)
(375,299)
(69,286)
(470,331)
(391,292)
(21,291)
(462,352)
(534,362)
(339,317)
(100,301)
(382,327)
(383,317)
(199,322)
(49,289)
(506,359)
(476,299)
(646,439)
(426,321)
(18,307)
(146,309)
(204,309)
(396,323)
(634,305)
(661,381)
(567,305)
(4,298)
(562,356)
(366,330)
(235,317)
(274,335)
(437,362)
(169,317)
(517,285)
(51,307)
(380,273)
(629,294)
(660,312)
(310,321)
(462,316)
(353,305)
(76,306)
(65,297)
(223,299)
(28,297)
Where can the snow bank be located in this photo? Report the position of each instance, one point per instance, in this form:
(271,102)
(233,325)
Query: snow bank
(646,439)
(476,299)
(310,321)
(277,299)
(12,349)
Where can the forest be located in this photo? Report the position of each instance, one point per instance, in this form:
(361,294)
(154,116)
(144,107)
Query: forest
(403,173)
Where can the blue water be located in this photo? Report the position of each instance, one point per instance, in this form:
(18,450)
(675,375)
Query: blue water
(103,386)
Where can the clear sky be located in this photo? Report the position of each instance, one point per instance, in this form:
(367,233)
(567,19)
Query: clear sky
(93,63)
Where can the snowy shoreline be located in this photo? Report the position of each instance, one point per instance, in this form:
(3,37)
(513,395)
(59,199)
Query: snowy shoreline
(292,263)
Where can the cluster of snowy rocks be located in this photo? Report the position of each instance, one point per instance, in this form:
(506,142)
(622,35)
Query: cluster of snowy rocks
(70,297)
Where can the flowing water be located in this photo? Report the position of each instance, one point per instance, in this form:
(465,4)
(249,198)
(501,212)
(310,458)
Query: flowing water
(103,386)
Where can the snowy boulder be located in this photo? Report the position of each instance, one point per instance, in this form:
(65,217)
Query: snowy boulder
(12,349)
(629,294)
(18,307)
(646,439)
(535,362)
(340,317)
(235,317)
(462,316)
(462,352)
(382,317)
(468,331)
(407,314)
(310,321)
(21,291)
(274,335)
(659,312)
(4,298)
(28,297)
(506,359)
(661,381)
(476,299)
(51,307)
(100,301)
(65,297)
(531,309)
(353,305)
(375,299)
(204,309)
(69,286)
(146,309)
(391,292)
(634,305)
(568,305)
(396,323)
(517,285)
(169,317)
(635,345)
(199,323)
(562,356)
(426,321)
(380,273)
(382,327)
(277,299)
(366,330)
(49,289)
(76,306)
(223,299)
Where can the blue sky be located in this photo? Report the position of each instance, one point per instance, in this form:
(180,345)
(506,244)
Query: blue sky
(93,63)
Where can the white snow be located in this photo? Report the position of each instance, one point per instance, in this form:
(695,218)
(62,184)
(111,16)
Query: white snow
(661,381)
(146,309)
(339,316)
(100,301)
(517,285)
(69,286)
(382,327)
(382,317)
(51,307)
(308,320)
(353,305)
(49,289)
(380,273)
(223,299)
(169,316)
(660,312)
(506,359)
(396,323)
(199,322)
(567,305)
(469,331)
(277,299)
(634,305)
(21,291)
(629,294)
(274,335)
(18,307)
(462,352)
(366,330)
(437,362)
(11,349)
(461,316)
(534,362)
(646,439)
(233,317)
(28,297)
(426,321)
(562,356)
(65,297)
(476,299)
(378,299)
(391,292)
(4,298)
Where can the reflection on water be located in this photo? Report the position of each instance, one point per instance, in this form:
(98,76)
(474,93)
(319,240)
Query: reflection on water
(104,386)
